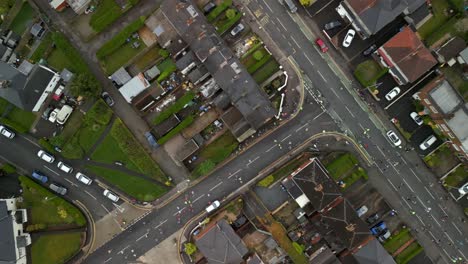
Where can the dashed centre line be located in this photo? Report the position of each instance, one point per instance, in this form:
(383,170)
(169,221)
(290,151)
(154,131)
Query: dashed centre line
(286,137)
(90,195)
(216,186)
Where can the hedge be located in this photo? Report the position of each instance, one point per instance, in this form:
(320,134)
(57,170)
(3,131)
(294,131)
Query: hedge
(176,107)
(267,181)
(114,44)
(182,125)
(218,10)
(166,67)
(223,28)
(258,64)
(46,145)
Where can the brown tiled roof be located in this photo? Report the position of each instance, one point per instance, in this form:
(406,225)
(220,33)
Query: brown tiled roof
(361,5)
(409,54)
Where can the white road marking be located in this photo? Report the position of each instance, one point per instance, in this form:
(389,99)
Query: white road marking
(442,209)
(286,138)
(107,210)
(310,61)
(216,186)
(458,229)
(252,161)
(430,233)
(294,40)
(107,260)
(408,204)
(451,240)
(317,116)
(321,76)
(56,173)
(123,249)
(237,171)
(281,25)
(392,185)
(427,190)
(462,254)
(268,6)
(178,212)
(436,220)
(34,143)
(351,113)
(119,207)
(72,183)
(408,185)
(140,238)
(404,161)
(419,199)
(90,195)
(268,150)
(300,128)
(414,173)
(381,151)
(448,255)
(160,224)
(198,198)
(420,220)
(398,172)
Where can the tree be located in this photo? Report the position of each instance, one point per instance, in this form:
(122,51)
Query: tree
(190,248)
(85,85)
(231,13)
(306,2)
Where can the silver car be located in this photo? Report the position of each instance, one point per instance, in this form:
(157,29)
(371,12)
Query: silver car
(58,189)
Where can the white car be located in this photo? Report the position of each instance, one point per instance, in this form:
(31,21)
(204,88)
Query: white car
(237,29)
(113,197)
(83,178)
(64,167)
(464,189)
(417,119)
(393,93)
(349,38)
(362,210)
(213,206)
(394,138)
(6,132)
(53,115)
(47,157)
(428,142)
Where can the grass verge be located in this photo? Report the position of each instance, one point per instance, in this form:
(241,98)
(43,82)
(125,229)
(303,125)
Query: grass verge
(55,248)
(109,152)
(282,172)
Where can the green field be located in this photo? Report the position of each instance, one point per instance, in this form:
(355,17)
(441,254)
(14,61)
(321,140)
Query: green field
(22,19)
(109,152)
(122,56)
(55,248)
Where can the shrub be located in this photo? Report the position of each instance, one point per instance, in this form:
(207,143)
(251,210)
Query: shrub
(258,55)
(218,10)
(163,53)
(267,181)
(231,13)
(299,248)
(8,168)
(176,107)
(35,227)
(229,23)
(166,67)
(190,248)
(45,144)
(259,64)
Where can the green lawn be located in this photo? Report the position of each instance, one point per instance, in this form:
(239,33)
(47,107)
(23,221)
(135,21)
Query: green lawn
(139,188)
(457,177)
(282,172)
(410,252)
(47,208)
(148,58)
(106,13)
(225,4)
(454,76)
(368,72)
(123,55)
(18,119)
(66,51)
(440,16)
(46,43)
(224,23)
(109,151)
(55,248)
(22,19)
(439,156)
(181,126)
(266,71)
(396,241)
(166,67)
(58,61)
(341,165)
(72,125)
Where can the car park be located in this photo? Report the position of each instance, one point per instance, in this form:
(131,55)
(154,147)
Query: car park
(417,119)
(64,167)
(83,178)
(107,98)
(321,44)
(373,218)
(385,235)
(369,50)
(428,142)
(392,136)
(464,189)
(58,188)
(349,38)
(39,176)
(112,196)
(378,228)
(393,93)
(332,25)
(213,206)
(7,132)
(237,29)
(362,210)
(47,157)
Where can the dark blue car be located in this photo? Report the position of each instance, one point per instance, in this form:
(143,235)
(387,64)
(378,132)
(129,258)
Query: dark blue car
(39,176)
(378,228)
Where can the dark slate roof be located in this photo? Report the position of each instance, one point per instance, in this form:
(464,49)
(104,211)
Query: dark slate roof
(7,237)
(373,253)
(451,48)
(3,49)
(376,14)
(198,74)
(219,60)
(186,60)
(420,14)
(220,244)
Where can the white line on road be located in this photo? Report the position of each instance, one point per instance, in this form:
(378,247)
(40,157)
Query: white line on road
(392,185)
(419,199)
(319,115)
(436,220)
(458,229)
(268,6)
(321,76)
(451,240)
(140,238)
(179,211)
(430,233)
(281,25)
(427,190)
(442,209)
(73,184)
(300,128)
(237,171)
(310,61)
(216,186)
(414,173)
(123,249)
(268,150)
(381,151)
(351,113)
(286,138)
(420,220)
(252,161)
(408,184)
(107,210)
(408,204)
(56,173)
(294,40)
(160,224)
(404,161)
(397,171)
(198,198)
(462,254)
(363,128)
(107,260)
(446,253)
(34,143)
(90,195)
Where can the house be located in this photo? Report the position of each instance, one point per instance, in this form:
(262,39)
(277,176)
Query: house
(120,77)
(134,87)
(463,56)
(58,5)
(370,16)
(448,52)
(78,6)
(13,240)
(449,112)
(27,92)
(219,243)
(405,56)
(37,30)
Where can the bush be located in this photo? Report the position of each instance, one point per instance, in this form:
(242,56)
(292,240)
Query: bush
(231,13)
(299,248)
(229,23)
(35,227)
(259,64)
(218,10)
(258,55)
(114,44)
(8,168)
(45,144)
(176,107)
(166,67)
(267,181)
(190,248)
(182,125)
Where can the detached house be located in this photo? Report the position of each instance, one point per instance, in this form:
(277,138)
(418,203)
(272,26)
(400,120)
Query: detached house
(406,57)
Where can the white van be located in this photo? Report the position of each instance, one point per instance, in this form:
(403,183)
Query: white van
(428,142)
(64,114)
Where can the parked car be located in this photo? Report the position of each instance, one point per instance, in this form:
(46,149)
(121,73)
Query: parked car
(64,167)
(208,7)
(107,98)
(321,45)
(332,25)
(113,197)
(39,176)
(58,93)
(45,115)
(393,138)
(237,29)
(373,218)
(378,228)
(213,206)
(464,189)
(64,114)
(7,132)
(83,178)
(53,115)
(428,142)
(369,50)
(58,188)
(417,119)
(47,157)
(119,163)
(385,235)
(393,93)
(362,210)
(292,7)
(349,38)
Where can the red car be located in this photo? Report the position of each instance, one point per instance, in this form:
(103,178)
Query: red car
(321,45)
